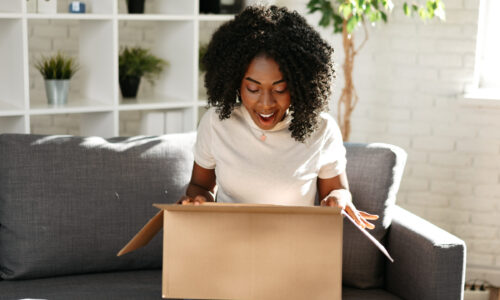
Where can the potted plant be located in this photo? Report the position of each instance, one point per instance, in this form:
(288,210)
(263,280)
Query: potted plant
(57,70)
(135,6)
(133,64)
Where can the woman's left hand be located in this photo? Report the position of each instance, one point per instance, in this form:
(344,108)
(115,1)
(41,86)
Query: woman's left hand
(342,199)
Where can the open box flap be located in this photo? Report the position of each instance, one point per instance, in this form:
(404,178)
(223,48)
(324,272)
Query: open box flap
(145,235)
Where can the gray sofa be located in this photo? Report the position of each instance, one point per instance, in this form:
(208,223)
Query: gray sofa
(68,204)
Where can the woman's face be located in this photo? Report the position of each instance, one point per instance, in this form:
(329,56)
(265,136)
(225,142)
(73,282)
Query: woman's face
(264,93)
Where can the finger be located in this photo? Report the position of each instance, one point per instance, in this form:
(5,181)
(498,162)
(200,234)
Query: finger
(328,202)
(199,200)
(355,215)
(368,224)
(368,216)
(181,201)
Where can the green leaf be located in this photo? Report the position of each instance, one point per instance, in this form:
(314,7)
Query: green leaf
(384,16)
(351,24)
(57,66)
(345,10)
(423,14)
(140,62)
(406,9)
(324,21)
(367,10)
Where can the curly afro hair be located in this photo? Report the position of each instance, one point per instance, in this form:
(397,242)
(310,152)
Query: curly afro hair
(304,59)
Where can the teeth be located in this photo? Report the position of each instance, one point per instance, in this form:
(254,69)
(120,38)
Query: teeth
(266,116)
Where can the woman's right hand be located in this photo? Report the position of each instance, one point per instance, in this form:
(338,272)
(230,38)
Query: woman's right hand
(197,200)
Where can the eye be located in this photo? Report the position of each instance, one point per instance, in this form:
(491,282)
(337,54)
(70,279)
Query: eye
(280,91)
(252,91)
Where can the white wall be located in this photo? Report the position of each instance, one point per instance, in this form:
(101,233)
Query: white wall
(410,78)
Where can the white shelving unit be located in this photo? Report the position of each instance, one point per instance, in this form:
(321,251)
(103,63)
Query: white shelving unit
(97,103)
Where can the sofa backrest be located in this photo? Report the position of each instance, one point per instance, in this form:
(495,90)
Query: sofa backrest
(69,204)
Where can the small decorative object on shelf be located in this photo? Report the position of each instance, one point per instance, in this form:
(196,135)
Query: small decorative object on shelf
(31,6)
(133,64)
(47,6)
(209,6)
(77,7)
(231,6)
(135,6)
(57,70)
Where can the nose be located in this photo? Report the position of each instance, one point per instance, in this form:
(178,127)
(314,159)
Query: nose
(266,99)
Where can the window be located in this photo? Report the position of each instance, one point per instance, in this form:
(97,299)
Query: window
(487,65)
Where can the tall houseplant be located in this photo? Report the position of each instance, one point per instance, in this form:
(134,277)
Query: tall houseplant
(346,16)
(134,63)
(57,71)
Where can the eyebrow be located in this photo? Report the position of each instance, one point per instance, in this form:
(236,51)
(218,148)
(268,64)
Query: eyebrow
(253,80)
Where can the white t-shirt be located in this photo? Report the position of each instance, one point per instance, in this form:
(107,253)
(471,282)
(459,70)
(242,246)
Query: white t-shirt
(278,170)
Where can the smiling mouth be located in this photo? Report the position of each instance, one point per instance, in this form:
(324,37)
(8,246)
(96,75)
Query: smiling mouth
(266,119)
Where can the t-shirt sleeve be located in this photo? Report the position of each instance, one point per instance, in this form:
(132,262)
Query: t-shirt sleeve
(333,153)
(203,152)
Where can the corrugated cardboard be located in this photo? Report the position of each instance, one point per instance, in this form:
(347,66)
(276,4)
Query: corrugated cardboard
(239,251)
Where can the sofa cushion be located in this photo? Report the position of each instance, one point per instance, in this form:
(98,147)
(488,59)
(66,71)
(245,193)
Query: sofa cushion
(69,204)
(369,294)
(125,285)
(374,172)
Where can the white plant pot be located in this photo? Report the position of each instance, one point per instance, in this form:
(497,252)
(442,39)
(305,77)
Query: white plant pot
(57,91)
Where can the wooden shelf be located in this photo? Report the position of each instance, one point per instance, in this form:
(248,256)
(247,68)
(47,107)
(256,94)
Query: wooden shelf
(155,17)
(9,109)
(73,106)
(215,17)
(68,16)
(154,102)
(4,15)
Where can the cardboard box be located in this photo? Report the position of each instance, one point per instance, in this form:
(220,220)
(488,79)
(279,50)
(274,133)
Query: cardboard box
(240,251)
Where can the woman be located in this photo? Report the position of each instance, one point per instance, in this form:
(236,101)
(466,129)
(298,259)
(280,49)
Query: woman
(266,138)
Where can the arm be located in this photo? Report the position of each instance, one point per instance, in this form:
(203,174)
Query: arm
(335,192)
(429,263)
(202,186)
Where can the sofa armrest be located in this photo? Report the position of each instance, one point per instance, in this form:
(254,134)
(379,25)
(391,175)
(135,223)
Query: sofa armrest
(429,263)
